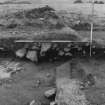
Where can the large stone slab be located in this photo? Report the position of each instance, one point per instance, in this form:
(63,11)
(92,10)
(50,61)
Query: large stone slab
(69,93)
(68,90)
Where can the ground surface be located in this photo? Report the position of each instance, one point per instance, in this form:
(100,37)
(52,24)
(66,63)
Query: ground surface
(23,86)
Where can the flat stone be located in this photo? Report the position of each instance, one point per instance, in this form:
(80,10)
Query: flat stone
(50,93)
(21,52)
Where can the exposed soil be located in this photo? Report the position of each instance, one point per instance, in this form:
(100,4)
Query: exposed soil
(23,87)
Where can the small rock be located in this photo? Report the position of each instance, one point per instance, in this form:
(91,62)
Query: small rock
(50,93)
(48,75)
(68,54)
(35,47)
(10,81)
(53,103)
(50,60)
(32,102)
(91,80)
(57,49)
(61,53)
(66,49)
(21,52)
(38,82)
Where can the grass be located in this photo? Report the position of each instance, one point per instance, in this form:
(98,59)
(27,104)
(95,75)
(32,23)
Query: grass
(96,34)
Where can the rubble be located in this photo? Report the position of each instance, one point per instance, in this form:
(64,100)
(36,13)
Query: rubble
(45,47)
(7,68)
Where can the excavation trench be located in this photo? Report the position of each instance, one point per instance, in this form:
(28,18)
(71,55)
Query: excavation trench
(28,69)
(46,51)
(25,81)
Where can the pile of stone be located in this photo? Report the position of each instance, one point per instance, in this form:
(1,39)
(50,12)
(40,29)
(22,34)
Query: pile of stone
(53,51)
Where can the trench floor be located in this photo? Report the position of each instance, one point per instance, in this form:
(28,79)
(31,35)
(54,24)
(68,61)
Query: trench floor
(34,80)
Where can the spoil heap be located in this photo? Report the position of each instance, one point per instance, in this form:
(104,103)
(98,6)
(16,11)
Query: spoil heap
(44,17)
